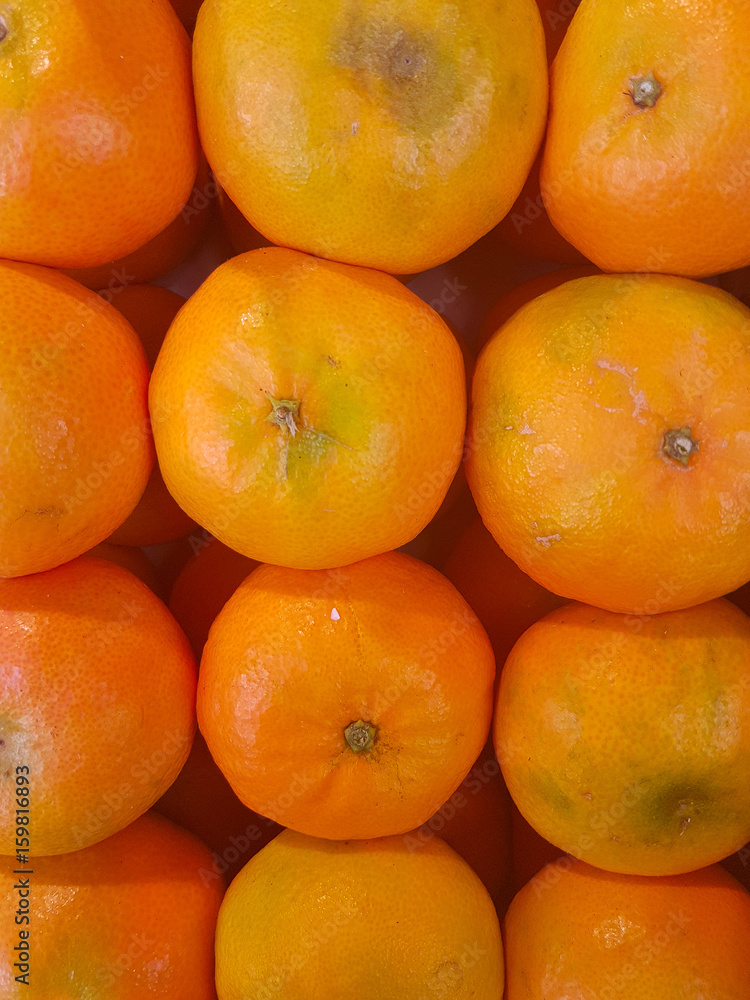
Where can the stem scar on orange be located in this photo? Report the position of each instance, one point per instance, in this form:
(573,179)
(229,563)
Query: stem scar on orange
(308,413)
(346,703)
(608,448)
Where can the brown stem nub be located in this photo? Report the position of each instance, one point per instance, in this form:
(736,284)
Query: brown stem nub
(645,90)
(360,736)
(679,445)
(283,412)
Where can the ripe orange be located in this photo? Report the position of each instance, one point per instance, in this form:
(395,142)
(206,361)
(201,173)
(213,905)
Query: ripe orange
(97,702)
(348,703)
(321,919)
(504,598)
(625,741)
(530,851)
(575,931)
(157,518)
(128,918)
(161,253)
(390,135)
(475,821)
(100,147)
(77,451)
(299,404)
(201,800)
(613,465)
(641,170)
(204,585)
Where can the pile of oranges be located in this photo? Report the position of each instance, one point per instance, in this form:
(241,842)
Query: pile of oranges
(347,648)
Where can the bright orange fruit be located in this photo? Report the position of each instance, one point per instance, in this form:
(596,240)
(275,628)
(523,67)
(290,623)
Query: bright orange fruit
(346,703)
(625,741)
(322,919)
(575,931)
(77,449)
(391,135)
(611,464)
(127,918)
(100,146)
(645,164)
(308,413)
(97,702)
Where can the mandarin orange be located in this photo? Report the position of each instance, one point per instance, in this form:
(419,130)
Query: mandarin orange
(391,135)
(611,463)
(308,413)
(645,167)
(100,146)
(97,702)
(575,931)
(77,449)
(347,703)
(331,920)
(625,741)
(127,919)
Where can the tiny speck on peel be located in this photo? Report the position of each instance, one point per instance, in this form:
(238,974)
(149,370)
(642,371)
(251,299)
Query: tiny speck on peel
(334,615)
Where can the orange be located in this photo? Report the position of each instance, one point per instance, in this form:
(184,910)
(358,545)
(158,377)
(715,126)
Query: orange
(504,598)
(640,172)
(100,147)
(348,703)
(201,800)
(574,931)
(157,518)
(527,290)
(204,585)
(475,821)
(77,451)
(317,919)
(390,135)
(97,702)
(611,464)
(625,741)
(308,413)
(161,253)
(126,919)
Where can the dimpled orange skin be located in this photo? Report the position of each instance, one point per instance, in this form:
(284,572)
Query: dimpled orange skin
(662,188)
(98,701)
(625,741)
(77,451)
(575,931)
(378,435)
(571,402)
(328,920)
(391,135)
(127,918)
(295,657)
